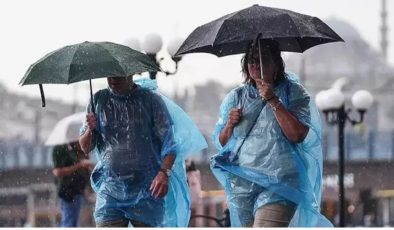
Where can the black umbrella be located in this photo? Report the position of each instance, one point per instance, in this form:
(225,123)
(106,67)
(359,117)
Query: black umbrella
(232,33)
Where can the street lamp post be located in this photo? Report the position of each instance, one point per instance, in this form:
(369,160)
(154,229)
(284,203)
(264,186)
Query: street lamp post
(152,44)
(332,103)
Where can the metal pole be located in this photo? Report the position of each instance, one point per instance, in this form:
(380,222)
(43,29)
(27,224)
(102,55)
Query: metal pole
(37,127)
(341,144)
(392,145)
(152,74)
(31,215)
(91,96)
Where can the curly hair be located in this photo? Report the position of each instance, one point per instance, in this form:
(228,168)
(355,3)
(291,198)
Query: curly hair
(273,47)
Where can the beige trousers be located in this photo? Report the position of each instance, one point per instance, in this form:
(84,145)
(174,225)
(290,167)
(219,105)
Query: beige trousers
(273,215)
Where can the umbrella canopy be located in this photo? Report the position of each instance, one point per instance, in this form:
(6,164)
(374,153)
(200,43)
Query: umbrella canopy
(232,33)
(66,130)
(86,61)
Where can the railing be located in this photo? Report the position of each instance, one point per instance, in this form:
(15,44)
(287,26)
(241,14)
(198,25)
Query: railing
(222,222)
(20,154)
(38,199)
(210,211)
(372,145)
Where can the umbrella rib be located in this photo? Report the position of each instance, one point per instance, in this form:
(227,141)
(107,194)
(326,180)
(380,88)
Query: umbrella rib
(113,57)
(218,31)
(103,49)
(298,37)
(69,66)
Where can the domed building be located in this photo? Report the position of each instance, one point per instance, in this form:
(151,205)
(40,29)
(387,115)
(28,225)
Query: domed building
(355,60)
(369,148)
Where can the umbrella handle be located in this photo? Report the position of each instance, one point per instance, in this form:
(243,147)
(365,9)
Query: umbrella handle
(261,61)
(42,95)
(91,96)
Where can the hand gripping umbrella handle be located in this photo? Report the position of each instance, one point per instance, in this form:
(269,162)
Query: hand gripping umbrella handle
(91,96)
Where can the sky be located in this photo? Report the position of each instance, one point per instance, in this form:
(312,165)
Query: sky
(32,28)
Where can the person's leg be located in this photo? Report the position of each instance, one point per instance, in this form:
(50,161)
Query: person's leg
(148,212)
(273,215)
(242,198)
(109,217)
(106,214)
(138,224)
(120,223)
(70,211)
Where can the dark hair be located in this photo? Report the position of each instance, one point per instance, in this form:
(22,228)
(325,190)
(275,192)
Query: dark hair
(273,47)
(191,167)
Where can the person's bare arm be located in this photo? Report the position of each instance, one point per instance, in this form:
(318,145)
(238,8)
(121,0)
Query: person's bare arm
(69,170)
(85,140)
(159,186)
(293,129)
(168,161)
(233,119)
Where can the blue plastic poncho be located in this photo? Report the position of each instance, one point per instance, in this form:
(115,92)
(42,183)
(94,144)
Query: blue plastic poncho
(259,165)
(134,133)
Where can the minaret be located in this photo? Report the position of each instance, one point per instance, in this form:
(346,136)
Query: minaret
(383,29)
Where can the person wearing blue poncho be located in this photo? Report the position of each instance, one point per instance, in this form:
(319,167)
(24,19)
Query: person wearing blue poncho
(141,139)
(269,141)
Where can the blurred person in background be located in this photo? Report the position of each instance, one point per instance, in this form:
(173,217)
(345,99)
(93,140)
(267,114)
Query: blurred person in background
(71,170)
(194,182)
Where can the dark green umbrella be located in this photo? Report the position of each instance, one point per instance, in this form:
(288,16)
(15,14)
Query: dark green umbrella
(86,61)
